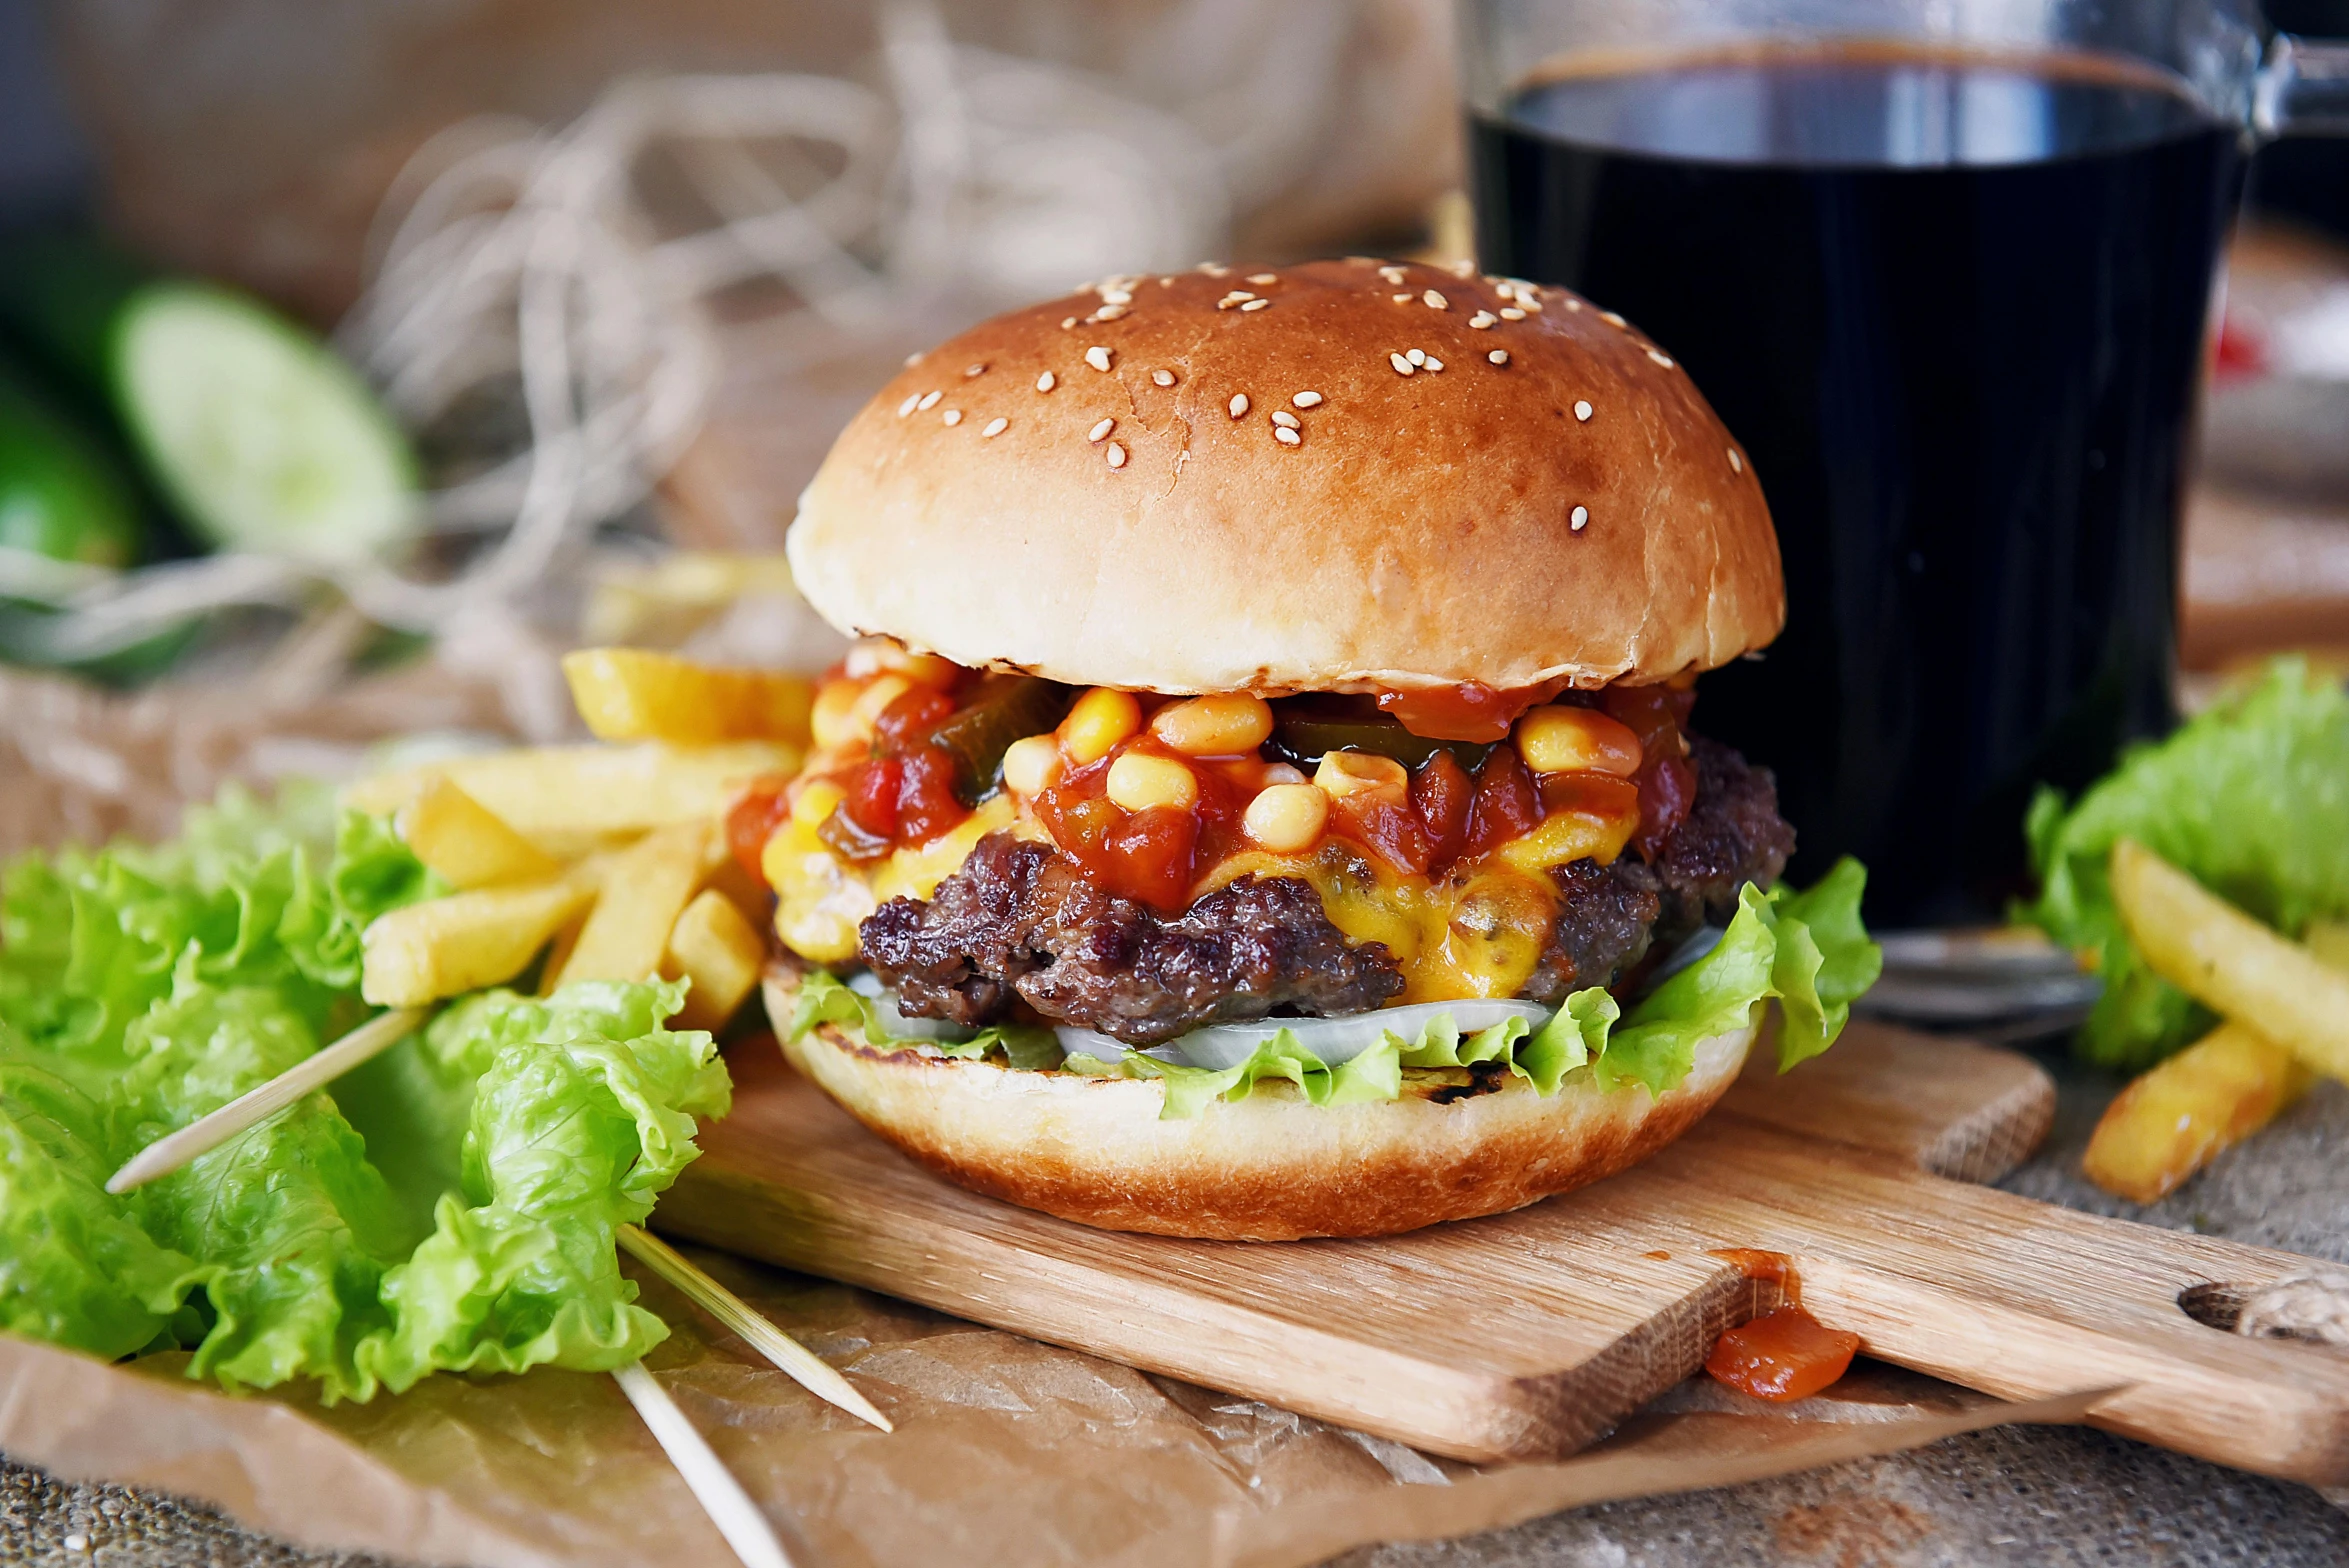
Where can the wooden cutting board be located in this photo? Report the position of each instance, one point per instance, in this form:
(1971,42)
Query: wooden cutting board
(1528,1335)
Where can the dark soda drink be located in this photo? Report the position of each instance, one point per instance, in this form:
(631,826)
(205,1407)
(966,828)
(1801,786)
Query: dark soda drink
(1954,307)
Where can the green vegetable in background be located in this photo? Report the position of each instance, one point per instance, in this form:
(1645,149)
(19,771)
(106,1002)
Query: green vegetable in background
(450,1205)
(61,496)
(2251,798)
(1807,950)
(255,432)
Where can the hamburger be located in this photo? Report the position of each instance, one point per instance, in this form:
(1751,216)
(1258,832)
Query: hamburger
(1263,802)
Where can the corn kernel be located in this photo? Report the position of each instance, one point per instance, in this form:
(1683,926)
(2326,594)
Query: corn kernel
(817,799)
(1031,766)
(829,718)
(870,704)
(1286,818)
(1344,773)
(1226,725)
(880,655)
(1100,720)
(1139,781)
(1576,740)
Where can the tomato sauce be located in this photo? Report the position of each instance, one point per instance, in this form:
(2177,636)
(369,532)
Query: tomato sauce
(1470,711)
(1782,1355)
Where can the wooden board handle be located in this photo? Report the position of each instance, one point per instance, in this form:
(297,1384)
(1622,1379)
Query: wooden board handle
(2024,1300)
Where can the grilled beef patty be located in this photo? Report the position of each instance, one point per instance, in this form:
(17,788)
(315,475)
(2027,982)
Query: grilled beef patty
(1020,921)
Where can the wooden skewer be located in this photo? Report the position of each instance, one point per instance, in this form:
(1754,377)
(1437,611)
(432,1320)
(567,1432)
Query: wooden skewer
(740,1520)
(206,1133)
(802,1365)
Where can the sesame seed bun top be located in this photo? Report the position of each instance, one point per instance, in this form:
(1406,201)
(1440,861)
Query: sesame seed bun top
(1337,476)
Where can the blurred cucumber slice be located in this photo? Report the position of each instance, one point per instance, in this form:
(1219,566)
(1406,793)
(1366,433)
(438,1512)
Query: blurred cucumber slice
(258,434)
(247,426)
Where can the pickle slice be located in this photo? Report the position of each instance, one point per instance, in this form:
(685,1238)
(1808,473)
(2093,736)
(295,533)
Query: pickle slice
(1006,708)
(1305,731)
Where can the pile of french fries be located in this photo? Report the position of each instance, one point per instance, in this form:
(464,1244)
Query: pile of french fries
(609,860)
(2285,1012)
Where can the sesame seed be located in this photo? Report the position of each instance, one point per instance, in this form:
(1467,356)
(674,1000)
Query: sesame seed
(1306,399)
(1109,313)
(912,399)
(1434,363)
(929,401)
(1499,356)
(951,417)
(912,360)
(1736,463)
(996,427)
(1239,404)
(1254,304)
(1403,367)
(1660,358)
(1463,269)
(1417,356)
(1067,322)
(1283,418)
(1164,378)
(1402,299)
(1215,269)
(1286,437)
(1610,318)
(1264,277)
(969,371)
(1116,297)
(1512,313)
(1101,431)
(1232,298)
(1530,303)
(1482,319)
(1572,303)
(1580,516)
(1391,274)
(1166,283)
(1046,381)
(1434,301)
(1582,411)
(1117,455)
(1097,357)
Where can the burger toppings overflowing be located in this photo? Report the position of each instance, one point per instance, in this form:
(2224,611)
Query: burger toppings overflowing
(998,849)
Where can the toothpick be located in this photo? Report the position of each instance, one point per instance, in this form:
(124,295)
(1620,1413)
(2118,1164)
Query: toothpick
(802,1365)
(206,1133)
(730,1508)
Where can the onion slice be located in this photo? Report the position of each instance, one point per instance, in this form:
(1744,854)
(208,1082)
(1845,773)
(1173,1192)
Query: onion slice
(895,1024)
(1334,1040)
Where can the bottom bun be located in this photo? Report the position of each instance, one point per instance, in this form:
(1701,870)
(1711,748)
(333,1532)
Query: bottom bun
(1271,1167)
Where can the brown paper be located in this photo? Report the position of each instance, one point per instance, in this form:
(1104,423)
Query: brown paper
(1006,1450)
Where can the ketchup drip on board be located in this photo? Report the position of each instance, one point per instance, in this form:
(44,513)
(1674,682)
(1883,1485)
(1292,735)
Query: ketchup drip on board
(1782,1355)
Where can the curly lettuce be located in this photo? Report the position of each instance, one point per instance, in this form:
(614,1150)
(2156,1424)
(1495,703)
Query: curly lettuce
(1807,951)
(451,1204)
(2250,797)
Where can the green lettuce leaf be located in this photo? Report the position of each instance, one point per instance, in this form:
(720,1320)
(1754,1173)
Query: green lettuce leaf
(74,1268)
(451,1204)
(582,1115)
(825,999)
(2250,798)
(1808,951)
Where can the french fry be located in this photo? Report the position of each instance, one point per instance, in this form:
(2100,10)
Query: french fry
(645,888)
(553,793)
(719,953)
(466,843)
(634,694)
(2174,1119)
(447,946)
(2231,963)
